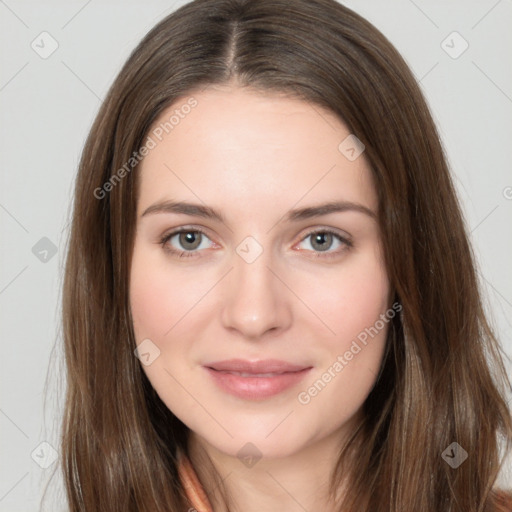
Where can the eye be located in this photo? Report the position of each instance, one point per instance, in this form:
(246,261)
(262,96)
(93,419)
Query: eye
(322,240)
(188,240)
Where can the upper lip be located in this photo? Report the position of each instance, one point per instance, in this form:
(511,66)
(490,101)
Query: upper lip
(264,366)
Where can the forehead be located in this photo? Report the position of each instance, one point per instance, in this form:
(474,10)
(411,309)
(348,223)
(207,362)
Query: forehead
(255,149)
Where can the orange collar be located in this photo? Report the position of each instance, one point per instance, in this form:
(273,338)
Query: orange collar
(193,488)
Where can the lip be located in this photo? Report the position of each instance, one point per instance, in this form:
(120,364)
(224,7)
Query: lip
(255,380)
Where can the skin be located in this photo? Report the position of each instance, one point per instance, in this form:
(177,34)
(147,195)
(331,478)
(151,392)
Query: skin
(253,157)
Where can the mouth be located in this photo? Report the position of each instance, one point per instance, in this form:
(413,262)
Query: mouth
(255,380)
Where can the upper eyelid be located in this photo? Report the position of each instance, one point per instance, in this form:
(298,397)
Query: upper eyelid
(185,229)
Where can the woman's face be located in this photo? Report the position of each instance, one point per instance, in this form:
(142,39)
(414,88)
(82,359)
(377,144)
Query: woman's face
(262,271)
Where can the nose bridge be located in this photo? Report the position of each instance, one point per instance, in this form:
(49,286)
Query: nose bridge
(255,299)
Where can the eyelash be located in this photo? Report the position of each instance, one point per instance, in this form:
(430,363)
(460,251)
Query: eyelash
(191,254)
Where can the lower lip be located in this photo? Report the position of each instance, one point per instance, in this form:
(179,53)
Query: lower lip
(256,388)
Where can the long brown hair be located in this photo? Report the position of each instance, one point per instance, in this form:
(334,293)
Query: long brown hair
(443,379)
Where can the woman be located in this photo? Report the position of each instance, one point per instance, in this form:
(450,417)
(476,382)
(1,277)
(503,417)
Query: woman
(321,344)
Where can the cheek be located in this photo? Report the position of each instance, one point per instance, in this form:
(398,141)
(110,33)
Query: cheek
(352,299)
(159,295)
(150,301)
(161,298)
(355,306)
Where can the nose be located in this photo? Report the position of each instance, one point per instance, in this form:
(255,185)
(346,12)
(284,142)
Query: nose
(257,302)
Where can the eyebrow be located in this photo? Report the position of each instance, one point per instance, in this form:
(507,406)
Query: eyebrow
(198,210)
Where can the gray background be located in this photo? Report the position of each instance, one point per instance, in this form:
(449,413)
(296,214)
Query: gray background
(47,106)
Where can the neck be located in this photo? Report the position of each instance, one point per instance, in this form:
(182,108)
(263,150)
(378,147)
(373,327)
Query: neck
(299,481)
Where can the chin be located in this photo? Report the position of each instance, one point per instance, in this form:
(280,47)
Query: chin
(250,447)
